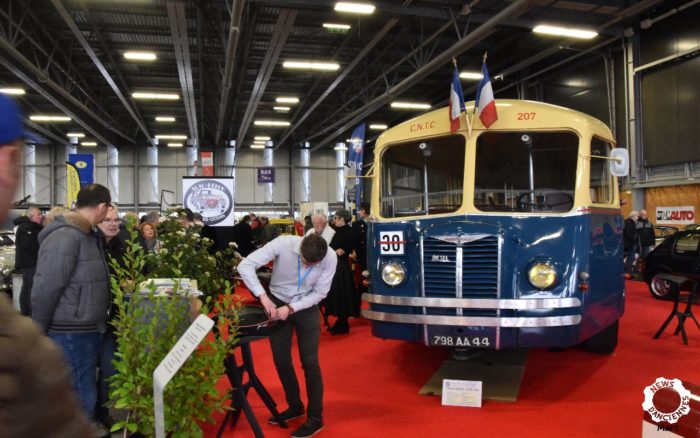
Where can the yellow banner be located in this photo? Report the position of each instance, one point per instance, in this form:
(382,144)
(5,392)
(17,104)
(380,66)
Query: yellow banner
(72,185)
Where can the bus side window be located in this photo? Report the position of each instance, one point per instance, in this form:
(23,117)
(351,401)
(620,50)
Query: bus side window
(601,181)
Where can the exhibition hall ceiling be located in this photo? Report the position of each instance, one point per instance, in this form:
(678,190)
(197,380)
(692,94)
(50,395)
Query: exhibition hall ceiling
(220,64)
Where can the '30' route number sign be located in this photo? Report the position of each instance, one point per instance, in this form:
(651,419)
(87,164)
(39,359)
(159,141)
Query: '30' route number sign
(391,243)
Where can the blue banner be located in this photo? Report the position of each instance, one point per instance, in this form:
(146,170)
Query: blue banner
(85,165)
(355,153)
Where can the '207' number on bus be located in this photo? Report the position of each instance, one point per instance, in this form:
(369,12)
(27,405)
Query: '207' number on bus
(526,116)
(388,244)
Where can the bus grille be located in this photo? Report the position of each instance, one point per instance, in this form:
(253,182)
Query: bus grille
(479,272)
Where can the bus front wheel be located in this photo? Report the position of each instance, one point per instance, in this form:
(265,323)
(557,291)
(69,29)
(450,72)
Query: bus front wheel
(603,342)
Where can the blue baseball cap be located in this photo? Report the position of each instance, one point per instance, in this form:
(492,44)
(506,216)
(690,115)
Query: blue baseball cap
(11,124)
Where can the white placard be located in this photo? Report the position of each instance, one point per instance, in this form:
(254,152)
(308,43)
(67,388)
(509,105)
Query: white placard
(391,243)
(172,362)
(461,393)
(675,215)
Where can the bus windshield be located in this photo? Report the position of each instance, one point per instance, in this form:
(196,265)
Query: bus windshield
(423,177)
(525,171)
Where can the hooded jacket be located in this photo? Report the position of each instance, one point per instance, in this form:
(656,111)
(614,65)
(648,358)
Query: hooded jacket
(71,285)
(26,242)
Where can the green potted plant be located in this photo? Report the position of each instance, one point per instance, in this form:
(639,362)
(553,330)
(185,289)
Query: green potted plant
(147,326)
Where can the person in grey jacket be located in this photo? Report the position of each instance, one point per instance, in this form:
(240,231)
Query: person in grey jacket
(70,295)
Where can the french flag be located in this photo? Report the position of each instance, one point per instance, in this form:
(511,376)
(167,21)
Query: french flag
(485,103)
(456,101)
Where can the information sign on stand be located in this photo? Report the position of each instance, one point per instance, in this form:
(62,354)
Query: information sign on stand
(461,393)
(172,363)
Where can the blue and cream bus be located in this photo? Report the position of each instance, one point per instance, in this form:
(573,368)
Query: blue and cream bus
(497,238)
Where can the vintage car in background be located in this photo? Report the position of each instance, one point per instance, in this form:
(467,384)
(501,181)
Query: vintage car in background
(7,260)
(692,227)
(663,231)
(678,254)
(284,225)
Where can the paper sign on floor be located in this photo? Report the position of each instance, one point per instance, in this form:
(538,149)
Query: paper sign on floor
(461,393)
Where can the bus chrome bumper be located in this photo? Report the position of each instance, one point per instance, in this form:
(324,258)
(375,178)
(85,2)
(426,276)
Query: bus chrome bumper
(467,303)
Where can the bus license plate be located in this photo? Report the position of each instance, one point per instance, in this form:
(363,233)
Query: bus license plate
(474,341)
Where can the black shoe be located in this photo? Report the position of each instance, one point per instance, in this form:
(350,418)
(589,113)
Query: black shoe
(340,330)
(287,415)
(308,429)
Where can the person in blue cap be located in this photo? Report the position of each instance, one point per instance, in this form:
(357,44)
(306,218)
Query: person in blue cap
(36,398)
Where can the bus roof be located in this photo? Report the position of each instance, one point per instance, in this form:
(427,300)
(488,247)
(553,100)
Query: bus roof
(513,114)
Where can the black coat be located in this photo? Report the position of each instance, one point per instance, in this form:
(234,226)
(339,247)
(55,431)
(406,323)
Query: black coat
(645,231)
(360,230)
(629,234)
(243,236)
(26,243)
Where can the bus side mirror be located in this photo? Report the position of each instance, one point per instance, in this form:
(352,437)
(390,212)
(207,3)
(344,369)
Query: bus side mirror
(619,162)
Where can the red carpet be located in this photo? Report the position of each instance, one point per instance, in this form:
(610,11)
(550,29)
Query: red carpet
(371,386)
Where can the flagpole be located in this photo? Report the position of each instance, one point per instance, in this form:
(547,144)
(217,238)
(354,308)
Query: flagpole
(475,102)
(466,118)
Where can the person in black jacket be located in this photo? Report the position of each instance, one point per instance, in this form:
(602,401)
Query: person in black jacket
(243,236)
(645,231)
(342,301)
(359,227)
(630,240)
(114,248)
(26,253)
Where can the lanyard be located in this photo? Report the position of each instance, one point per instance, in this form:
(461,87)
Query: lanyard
(300,278)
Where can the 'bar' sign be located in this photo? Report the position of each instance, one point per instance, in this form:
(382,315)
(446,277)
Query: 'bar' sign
(266,175)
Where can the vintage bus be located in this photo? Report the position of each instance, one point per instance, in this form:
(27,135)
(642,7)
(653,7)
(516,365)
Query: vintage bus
(497,238)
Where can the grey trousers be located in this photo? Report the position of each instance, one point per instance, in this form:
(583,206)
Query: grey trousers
(307,324)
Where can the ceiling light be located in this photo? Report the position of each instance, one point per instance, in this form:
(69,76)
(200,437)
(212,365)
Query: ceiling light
(311,65)
(340,147)
(283,99)
(262,137)
(565,31)
(474,75)
(257,146)
(282,109)
(13,91)
(88,143)
(378,127)
(40,118)
(140,56)
(271,123)
(174,145)
(410,105)
(336,26)
(171,137)
(75,134)
(165,119)
(259,142)
(355,8)
(152,95)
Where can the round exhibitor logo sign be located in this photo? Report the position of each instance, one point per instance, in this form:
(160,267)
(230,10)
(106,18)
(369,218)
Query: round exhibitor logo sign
(211,199)
(666,400)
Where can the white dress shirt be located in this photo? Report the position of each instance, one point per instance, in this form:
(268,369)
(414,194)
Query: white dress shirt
(291,281)
(327,233)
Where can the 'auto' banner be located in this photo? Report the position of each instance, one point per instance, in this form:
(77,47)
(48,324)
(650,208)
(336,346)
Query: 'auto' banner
(675,215)
(211,197)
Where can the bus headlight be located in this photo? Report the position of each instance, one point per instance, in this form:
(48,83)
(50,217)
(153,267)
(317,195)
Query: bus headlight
(393,274)
(542,275)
